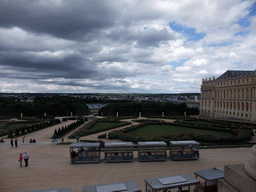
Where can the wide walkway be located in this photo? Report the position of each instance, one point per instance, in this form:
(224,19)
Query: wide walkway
(50,167)
(43,135)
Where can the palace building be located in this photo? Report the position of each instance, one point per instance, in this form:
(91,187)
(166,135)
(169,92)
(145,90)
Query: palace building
(232,95)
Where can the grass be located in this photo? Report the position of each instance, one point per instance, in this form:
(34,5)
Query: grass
(163,130)
(6,126)
(104,125)
(97,127)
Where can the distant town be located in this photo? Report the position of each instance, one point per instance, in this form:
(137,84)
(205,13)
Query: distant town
(191,99)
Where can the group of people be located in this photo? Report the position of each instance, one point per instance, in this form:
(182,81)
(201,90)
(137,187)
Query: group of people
(21,158)
(32,141)
(26,157)
(15,141)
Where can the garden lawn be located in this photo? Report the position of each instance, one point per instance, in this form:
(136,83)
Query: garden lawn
(6,127)
(105,125)
(150,131)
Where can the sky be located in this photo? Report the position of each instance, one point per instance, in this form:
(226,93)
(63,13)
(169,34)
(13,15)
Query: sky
(123,46)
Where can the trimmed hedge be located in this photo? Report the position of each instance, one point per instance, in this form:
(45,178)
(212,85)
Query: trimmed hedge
(65,130)
(28,129)
(88,128)
(240,132)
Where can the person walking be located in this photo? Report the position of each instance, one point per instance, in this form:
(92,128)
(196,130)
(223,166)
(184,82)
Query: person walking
(23,138)
(11,142)
(26,157)
(16,143)
(21,159)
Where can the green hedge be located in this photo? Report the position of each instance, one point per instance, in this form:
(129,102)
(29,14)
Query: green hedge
(88,128)
(58,133)
(31,128)
(240,132)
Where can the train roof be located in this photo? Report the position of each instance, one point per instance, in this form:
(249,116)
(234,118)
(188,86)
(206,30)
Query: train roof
(118,144)
(152,143)
(84,144)
(184,143)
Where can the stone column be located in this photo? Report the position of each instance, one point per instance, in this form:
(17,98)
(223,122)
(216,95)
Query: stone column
(250,165)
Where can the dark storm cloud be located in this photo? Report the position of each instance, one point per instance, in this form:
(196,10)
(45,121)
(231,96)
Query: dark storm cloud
(44,67)
(65,19)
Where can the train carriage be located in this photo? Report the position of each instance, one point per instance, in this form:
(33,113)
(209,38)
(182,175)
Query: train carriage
(152,151)
(184,150)
(85,152)
(118,152)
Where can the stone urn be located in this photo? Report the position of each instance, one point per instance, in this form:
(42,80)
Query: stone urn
(250,165)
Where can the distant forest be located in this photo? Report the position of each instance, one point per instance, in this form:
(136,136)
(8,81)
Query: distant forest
(147,108)
(53,106)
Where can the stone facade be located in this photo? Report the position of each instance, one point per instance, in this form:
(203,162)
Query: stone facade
(232,95)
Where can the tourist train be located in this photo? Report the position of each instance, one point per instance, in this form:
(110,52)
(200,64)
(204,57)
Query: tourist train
(90,152)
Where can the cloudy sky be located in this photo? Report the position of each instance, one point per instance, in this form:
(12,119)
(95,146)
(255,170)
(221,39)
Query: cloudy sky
(123,46)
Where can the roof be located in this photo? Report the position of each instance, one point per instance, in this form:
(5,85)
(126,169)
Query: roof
(210,174)
(169,182)
(118,144)
(84,144)
(184,143)
(229,74)
(54,190)
(125,186)
(152,143)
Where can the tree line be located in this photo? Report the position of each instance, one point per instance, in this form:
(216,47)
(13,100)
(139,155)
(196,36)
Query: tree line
(54,106)
(148,108)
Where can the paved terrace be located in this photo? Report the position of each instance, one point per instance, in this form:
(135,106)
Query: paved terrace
(50,167)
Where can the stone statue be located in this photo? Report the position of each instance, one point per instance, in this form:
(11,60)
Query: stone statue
(250,165)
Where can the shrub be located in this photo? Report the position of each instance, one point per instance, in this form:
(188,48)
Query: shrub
(239,132)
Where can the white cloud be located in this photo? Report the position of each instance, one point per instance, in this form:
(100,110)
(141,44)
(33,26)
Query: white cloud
(119,46)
